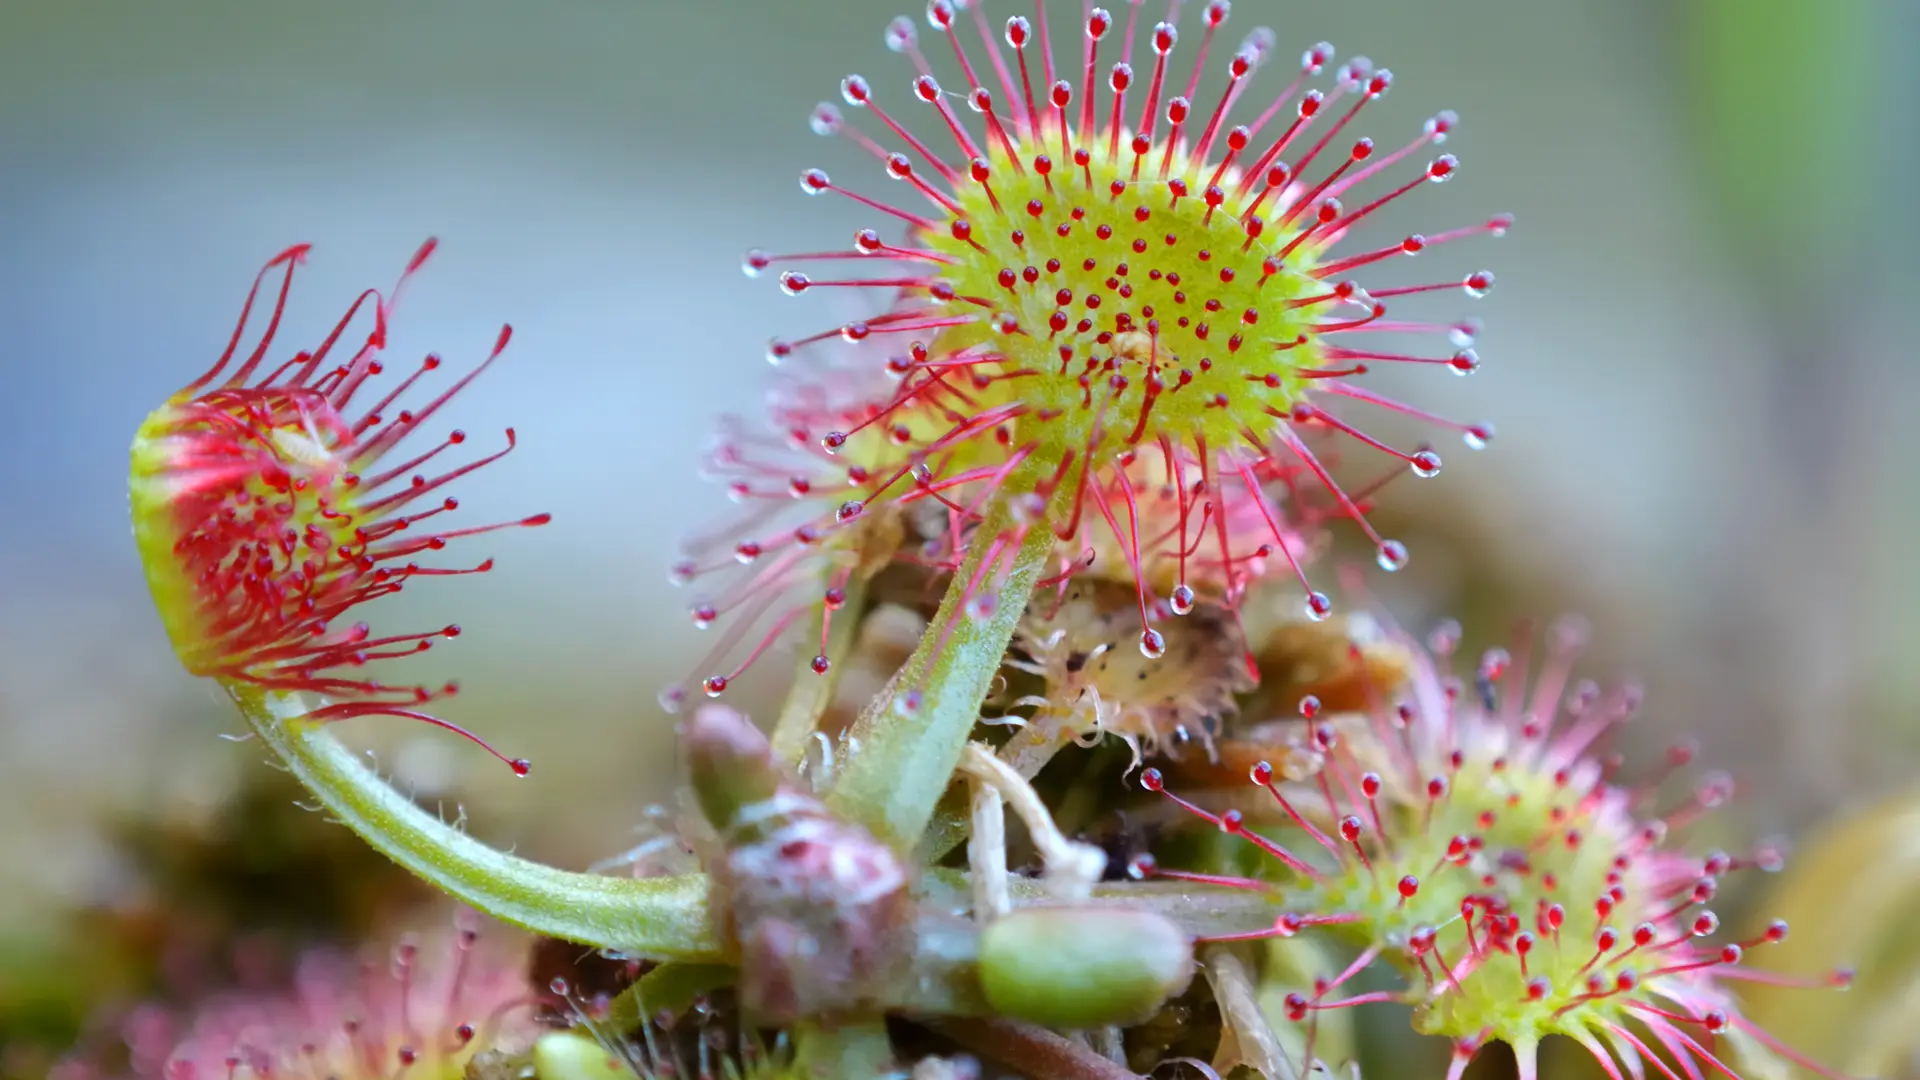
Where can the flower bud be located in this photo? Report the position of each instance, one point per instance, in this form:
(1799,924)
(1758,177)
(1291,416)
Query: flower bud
(730,765)
(819,908)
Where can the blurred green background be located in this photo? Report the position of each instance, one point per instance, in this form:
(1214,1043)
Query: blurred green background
(1699,358)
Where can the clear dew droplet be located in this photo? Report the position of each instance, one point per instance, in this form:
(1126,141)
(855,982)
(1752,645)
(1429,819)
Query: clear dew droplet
(1391,555)
(1153,644)
(1494,663)
(1259,44)
(1426,463)
(1478,436)
(1182,599)
(901,34)
(1570,632)
(672,698)
(1318,606)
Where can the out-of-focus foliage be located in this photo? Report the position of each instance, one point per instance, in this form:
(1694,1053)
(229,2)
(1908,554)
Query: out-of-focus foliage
(202,898)
(1851,895)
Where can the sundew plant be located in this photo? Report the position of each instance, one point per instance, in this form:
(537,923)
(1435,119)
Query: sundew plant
(1040,529)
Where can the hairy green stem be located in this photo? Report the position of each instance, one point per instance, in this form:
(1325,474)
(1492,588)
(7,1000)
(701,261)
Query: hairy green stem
(1200,910)
(662,918)
(911,738)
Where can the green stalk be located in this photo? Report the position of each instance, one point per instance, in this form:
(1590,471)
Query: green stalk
(812,692)
(1200,910)
(852,1049)
(662,918)
(907,755)
(669,988)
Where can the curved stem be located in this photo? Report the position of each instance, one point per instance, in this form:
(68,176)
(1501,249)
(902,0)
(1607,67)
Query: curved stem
(1027,751)
(907,754)
(663,918)
(1029,1049)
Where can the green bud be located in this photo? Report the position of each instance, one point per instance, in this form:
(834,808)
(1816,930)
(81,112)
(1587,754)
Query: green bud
(819,911)
(730,764)
(564,1055)
(1078,968)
